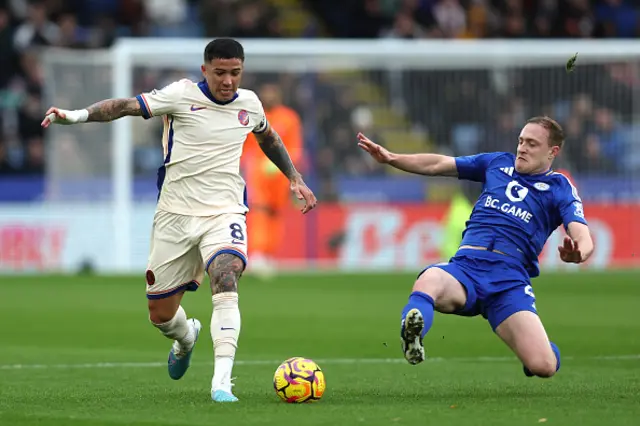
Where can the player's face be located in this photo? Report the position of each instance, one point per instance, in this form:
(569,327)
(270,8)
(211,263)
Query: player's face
(534,155)
(223,77)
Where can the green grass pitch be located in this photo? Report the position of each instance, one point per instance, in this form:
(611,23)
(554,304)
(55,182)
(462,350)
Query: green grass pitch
(90,357)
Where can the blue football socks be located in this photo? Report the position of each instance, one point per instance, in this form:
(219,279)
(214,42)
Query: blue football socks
(556,352)
(425,304)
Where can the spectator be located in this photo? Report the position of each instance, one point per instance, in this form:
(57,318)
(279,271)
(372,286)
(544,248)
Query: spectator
(451,18)
(37,30)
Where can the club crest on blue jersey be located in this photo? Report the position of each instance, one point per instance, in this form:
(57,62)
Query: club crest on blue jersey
(243,117)
(541,186)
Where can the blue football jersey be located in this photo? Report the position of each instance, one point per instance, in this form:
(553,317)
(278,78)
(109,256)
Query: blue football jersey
(516,213)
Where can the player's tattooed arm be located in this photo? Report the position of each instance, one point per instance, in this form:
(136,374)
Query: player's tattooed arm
(225,272)
(273,147)
(112,109)
(103,111)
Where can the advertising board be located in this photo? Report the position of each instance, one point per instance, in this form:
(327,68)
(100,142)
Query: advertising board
(346,237)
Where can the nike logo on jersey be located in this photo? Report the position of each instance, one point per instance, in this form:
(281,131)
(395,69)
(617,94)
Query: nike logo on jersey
(507,170)
(195,108)
(227,328)
(237,242)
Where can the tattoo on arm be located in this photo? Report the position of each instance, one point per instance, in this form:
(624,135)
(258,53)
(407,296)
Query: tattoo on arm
(224,272)
(273,147)
(112,109)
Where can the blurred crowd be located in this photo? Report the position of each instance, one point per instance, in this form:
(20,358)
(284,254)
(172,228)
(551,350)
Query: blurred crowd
(480,18)
(476,111)
(457,111)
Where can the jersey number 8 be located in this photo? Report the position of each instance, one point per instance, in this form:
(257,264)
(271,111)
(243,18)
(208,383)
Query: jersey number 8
(236,232)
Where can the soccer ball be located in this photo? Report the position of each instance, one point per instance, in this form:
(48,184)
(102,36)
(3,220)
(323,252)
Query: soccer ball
(299,380)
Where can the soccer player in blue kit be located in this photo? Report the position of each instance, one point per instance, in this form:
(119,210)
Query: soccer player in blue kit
(522,202)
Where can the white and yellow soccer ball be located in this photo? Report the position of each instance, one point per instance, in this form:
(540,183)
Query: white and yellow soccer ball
(299,380)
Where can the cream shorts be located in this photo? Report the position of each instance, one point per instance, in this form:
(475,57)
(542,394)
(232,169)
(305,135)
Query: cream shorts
(183,247)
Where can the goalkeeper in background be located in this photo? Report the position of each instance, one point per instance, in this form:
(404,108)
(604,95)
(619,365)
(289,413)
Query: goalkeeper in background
(266,186)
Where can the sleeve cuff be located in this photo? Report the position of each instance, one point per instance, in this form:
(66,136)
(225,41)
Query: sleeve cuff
(146,111)
(262,127)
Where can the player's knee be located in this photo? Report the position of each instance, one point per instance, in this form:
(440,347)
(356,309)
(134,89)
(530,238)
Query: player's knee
(225,271)
(430,283)
(160,313)
(544,367)
(445,290)
(158,317)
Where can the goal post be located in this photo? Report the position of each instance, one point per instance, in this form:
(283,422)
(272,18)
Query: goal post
(398,85)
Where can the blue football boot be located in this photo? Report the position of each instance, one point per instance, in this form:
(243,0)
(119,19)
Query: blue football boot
(223,396)
(179,361)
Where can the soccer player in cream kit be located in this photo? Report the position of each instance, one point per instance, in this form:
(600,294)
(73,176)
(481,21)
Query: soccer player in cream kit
(199,225)
(523,201)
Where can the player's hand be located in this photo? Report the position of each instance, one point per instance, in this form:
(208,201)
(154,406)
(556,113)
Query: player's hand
(380,154)
(62,116)
(302,192)
(569,251)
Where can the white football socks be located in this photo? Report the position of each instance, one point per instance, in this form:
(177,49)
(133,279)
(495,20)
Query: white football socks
(225,329)
(179,329)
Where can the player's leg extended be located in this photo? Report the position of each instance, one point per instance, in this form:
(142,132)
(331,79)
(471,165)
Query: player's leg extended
(435,289)
(524,333)
(168,277)
(166,314)
(171,319)
(224,271)
(515,320)
(223,247)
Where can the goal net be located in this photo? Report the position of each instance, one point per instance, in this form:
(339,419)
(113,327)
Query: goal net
(450,97)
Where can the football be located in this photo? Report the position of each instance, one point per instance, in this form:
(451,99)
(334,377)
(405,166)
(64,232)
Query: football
(299,380)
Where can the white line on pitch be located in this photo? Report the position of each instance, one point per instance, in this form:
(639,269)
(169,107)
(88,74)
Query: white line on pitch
(319,361)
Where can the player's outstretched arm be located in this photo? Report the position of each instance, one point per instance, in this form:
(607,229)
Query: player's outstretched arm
(578,245)
(103,111)
(422,164)
(273,147)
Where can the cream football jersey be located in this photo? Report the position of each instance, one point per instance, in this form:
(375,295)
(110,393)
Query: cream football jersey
(202,142)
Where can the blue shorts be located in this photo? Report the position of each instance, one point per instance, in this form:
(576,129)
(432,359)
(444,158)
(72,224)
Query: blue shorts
(497,285)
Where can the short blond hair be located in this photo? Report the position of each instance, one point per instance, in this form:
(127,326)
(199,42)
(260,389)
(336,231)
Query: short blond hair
(556,134)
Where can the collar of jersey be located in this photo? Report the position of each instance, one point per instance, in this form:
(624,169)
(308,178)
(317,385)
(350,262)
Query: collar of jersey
(547,173)
(204,88)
